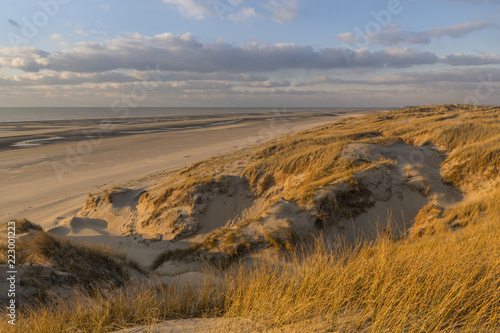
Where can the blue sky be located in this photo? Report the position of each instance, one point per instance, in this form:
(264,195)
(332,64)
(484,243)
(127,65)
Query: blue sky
(194,53)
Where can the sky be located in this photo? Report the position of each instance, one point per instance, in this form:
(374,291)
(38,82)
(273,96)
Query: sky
(249,53)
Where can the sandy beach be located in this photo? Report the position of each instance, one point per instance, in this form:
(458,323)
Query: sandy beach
(49,168)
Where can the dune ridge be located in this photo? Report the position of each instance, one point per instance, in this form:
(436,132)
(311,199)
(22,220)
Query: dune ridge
(353,178)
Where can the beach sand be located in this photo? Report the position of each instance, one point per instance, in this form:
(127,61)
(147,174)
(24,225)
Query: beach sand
(48,181)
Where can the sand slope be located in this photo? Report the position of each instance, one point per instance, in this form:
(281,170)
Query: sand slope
(400,191)
(146,219)
(31,187)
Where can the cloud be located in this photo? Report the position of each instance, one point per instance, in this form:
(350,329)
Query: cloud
(66,78)
(243,14)
(14,23)
(28,59)
(283,11)
(460,59)
(325,80)
(460,30)
(393,34)
(190,8)
(105,7)
(268,84)
(185,53)
(458,75)
(469,75)
(56,37)
(79,30)
(69,78)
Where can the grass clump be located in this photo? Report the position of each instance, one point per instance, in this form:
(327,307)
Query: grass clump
(176,255)
(483,208)
(22,226)
(282,238)
(90,264)
(114,310)
(429,220)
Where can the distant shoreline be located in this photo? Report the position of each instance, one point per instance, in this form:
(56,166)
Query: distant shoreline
(29,134)
(9,115)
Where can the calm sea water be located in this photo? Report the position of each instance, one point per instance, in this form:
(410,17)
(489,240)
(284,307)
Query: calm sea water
(36,114)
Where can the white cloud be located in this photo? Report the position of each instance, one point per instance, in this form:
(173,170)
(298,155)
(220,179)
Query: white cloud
(461,59)
(190,68)
(185,53)
(243,14)
(283,11)
(268,84)
(460,30)
(56,37)
(79,30)
(69,78)
(469,75)
(458,75)
(393,34)
(28,59)
(190,8)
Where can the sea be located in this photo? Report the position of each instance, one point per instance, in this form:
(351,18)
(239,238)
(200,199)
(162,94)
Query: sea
(16,114)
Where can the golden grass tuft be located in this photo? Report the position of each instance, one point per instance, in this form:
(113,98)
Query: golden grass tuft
(21,226)
(175,255)
(117,309)
(91,264)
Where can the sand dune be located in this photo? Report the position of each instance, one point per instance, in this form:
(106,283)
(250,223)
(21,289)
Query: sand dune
(216,205)
(32,188)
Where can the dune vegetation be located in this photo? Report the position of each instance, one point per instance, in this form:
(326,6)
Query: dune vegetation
(442,274)
(50,267)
